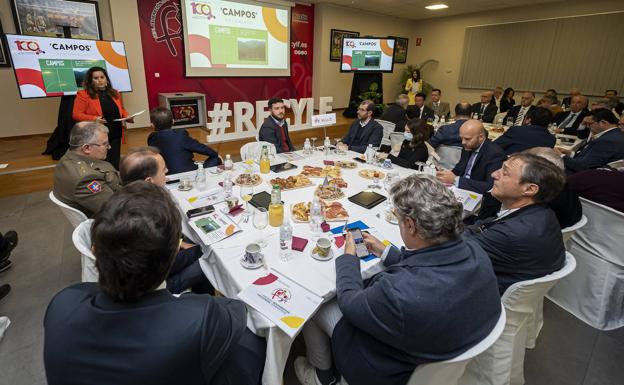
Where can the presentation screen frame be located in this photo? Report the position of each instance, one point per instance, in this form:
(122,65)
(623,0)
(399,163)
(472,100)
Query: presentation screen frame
(367,38)
(9,36)
(236,72)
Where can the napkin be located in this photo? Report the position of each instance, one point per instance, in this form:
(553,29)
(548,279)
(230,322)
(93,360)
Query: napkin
(221,184)
(340,241)
(299,243)
(325,226)
(234,211)
(328,162)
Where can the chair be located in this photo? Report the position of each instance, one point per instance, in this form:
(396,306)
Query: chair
(252,150)
(449,156)
(595,292)
(448,372)
(75,216)
(388,128)
(396,138)
(82,241)
(569,231)
(503,363)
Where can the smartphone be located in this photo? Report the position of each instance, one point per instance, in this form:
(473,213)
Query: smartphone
(359,160)
(200,211)
(360,247)
(173,181)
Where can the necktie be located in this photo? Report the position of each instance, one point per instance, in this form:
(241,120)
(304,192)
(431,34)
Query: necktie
(285,147)
(436,105)
(520,116)
(482,108)
(569,119)
(421,111)
(471,162)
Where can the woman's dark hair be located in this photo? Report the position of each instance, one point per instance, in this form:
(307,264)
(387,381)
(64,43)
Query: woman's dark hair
(420,131)
(135,238)
(417,75)
(507,93)
(87,84)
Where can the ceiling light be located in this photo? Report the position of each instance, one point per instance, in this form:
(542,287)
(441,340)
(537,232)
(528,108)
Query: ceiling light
(435,7)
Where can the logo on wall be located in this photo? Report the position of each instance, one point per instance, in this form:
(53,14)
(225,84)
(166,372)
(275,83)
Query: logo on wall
(28,45)
(166,24)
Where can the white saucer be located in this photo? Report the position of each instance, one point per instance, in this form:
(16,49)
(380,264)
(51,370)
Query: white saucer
(251,266)
(329,257)
(394,221)
(184,188)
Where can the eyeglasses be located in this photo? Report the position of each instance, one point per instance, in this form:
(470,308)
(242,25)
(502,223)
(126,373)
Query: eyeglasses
(105,144)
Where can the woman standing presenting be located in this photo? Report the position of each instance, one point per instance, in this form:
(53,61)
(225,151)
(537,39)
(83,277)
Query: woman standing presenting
(99,102)
(413,86)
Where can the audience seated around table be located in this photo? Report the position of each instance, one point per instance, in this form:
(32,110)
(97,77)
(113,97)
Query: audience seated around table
(146,163)
(382,328)
(125,329)
(534,133)
(275,128)
(479,159)
(413,149)
(569,121)
(365,130)
(523,240)
(176,145)
(485,110)
(440,109)
(603,146)
(519,112)
(601,185)
(83,179)
(449,133)
(395,113)
(419,109)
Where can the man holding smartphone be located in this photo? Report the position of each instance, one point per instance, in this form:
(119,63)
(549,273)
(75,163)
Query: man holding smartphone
(382,328)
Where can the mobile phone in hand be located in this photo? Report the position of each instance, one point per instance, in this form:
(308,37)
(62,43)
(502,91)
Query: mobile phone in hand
(360,247)
(199,211)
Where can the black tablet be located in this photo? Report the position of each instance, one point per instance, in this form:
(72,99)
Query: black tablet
(367,199)
(283,167)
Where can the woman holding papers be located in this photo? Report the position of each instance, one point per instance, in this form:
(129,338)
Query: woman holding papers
(413,86)
(98,101)
(413,148)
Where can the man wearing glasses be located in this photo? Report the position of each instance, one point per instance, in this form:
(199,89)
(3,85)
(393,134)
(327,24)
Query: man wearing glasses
(82,178)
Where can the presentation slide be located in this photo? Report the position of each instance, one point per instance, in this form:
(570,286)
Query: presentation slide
(367,54)
(229,38)
(46,66)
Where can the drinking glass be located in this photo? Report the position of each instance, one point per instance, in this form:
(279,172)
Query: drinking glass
(260,222)
(246,193)
(313,139)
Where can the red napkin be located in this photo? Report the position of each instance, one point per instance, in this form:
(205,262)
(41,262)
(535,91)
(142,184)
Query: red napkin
(221,184)
(325,227)
(340,241)
(328,162)
(221,167)
(234,211)
(299,243)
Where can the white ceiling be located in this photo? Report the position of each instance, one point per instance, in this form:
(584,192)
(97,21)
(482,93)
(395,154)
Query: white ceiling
(415,9)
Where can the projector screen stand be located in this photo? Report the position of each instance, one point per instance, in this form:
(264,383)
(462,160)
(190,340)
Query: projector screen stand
(361,86)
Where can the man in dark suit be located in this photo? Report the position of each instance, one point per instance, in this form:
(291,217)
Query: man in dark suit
(567,101)
(419,110)
(486,110)
(619,106)
(365,130)
(382,328)
(395,113)
(479,159)
(440,109)
(275,129)
(569,121)
(533,134)
(449,133)
(603,146)
(124,329)
(524,239)
(602,185)
(519,112)
(175,145)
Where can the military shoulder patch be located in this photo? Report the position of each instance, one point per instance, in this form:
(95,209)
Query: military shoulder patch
(94,186)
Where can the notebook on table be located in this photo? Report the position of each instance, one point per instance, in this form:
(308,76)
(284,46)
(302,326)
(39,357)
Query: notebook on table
(367,199)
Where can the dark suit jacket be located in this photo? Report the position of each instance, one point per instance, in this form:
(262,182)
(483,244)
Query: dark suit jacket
(414,112)
(396,321)
(448,135)
(566,101)
(560,117)
(523,245)
(397,115)
(408,156)
(161,339)
(514,111)
(505,105)
(520,138)
(358,137)
(608,148)
(271,132)
(489,159)
(177,148)
(488,114)
(604,186)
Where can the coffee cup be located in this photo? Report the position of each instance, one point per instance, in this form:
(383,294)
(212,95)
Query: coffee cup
(323,246)
(252,253)
(231,202)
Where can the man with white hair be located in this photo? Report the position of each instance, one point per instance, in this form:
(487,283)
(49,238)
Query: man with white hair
(396,113)
(83,178)
(569,121)
(382,328)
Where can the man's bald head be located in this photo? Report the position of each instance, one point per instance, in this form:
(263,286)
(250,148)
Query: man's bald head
(472,134)
(486,96)
(143,163)
(578,103)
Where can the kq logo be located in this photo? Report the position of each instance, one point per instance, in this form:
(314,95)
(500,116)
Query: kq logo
(28,45)
(202,9)
(281,295)
(350,44)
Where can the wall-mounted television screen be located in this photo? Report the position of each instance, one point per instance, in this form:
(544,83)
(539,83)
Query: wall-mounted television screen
(367,54)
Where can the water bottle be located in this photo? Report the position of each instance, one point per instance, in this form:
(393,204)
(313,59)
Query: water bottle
(228,185)
(316,215)
(326,145)
(307,147)
(370,154)
(285,241)
(200,177)
(227,164)
(442,121)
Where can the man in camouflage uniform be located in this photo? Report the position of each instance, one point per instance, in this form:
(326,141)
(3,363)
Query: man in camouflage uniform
(83,179)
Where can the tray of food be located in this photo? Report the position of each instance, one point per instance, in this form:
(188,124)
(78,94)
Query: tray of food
(301,212)
(370,174)
(292,182)
(346,164)
(332,212)
(329,193)
(248,180)
(497,129)
(321,172)
(338,182)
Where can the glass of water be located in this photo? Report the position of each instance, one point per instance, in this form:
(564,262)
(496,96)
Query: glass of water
(260,222)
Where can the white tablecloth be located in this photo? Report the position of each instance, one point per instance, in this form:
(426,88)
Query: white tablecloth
(221,263)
